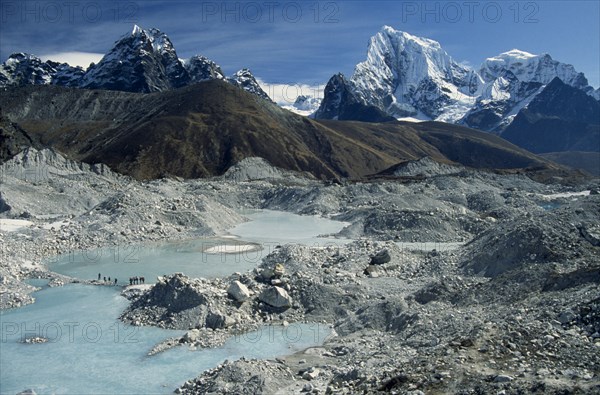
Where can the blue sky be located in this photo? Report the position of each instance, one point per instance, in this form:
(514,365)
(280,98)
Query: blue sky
(306,41)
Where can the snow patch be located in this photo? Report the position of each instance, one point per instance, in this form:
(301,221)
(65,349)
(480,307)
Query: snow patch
(14,225)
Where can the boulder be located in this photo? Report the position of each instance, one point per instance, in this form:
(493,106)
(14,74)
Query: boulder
(177,293)
(217,320)
(4,206)
(502,378)
(191,336)
(311,374)
(238,291)
(276,297)
(381,257)
(371,271)
(591,234)
(266,274)
(278,270)
(566,317)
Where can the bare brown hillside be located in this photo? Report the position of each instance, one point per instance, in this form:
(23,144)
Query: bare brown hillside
(203,129)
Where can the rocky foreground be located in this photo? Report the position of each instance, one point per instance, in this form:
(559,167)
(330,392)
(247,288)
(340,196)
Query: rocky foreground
(504,300)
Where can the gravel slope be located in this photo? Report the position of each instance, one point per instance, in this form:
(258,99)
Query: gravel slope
(514,309)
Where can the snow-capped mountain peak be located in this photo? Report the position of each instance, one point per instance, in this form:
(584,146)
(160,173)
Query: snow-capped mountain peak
(26,69)
(527,67)
(136,30)
(245,80)
(159,41)
(395,54)
(406,75)
(511,81)
(304,105)
(19,57)
(143,61)
(200,68)
(146,39)
(421,41)
(409,76)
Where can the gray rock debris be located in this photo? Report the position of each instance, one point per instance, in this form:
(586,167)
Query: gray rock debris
(255,169)
(427,323)
(591,234)
(240,377)
(426,167)
(276,297)
(238,291)
(381,258)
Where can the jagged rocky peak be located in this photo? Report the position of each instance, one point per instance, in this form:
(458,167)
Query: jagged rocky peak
(559,118)
(142,61)
(160,41)
(26,69)
(337,93)
(20,58)
(527,67)
(66,75)
(245,79)
(512,80)
(22,69)
(200,68)
(341,102)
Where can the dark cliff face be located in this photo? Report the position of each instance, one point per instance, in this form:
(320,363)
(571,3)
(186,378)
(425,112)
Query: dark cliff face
(341,103)
(560,118)
(13,139)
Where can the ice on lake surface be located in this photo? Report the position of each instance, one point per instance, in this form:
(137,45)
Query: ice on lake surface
(267,228)
(90,352)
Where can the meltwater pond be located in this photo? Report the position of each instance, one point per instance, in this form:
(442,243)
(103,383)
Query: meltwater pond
(90,352)
(277,227)
(152,260)
(266,229)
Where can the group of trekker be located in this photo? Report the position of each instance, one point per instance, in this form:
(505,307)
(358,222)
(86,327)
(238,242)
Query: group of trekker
(107,280)
(136,280)
(132,280)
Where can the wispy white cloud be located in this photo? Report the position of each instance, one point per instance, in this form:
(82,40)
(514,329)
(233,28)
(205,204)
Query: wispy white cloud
(82,59)
(286,94)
